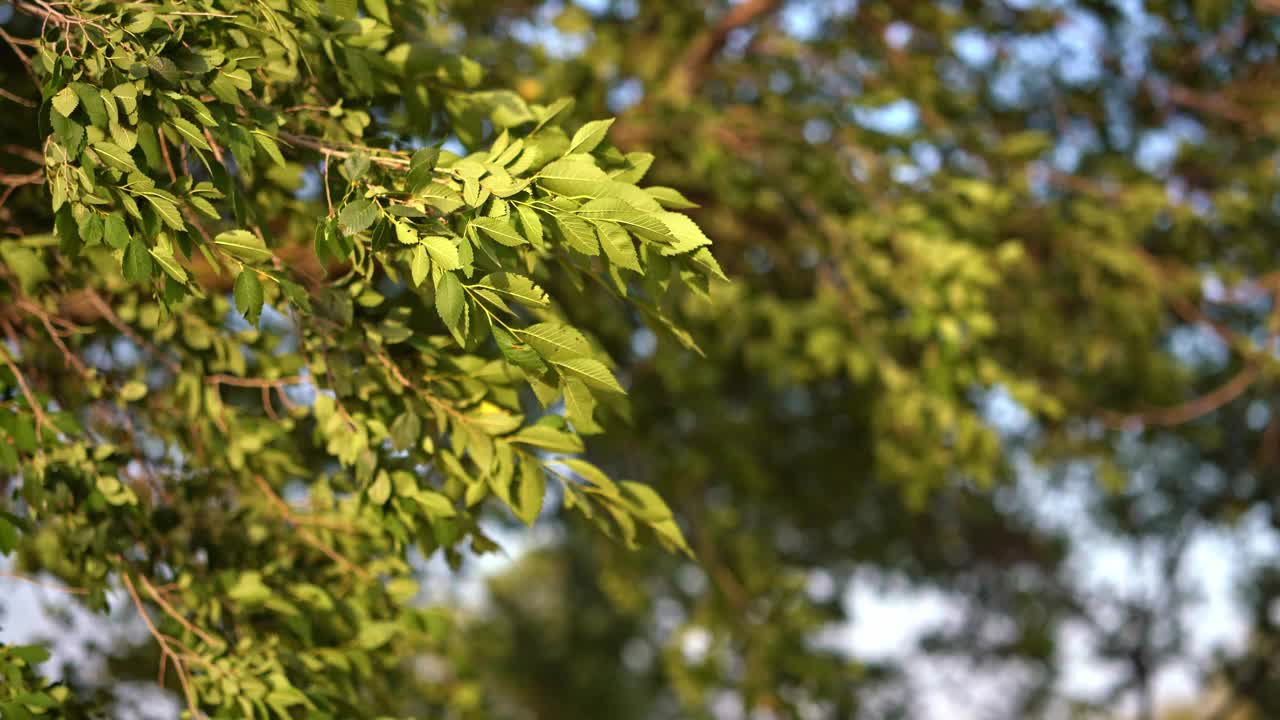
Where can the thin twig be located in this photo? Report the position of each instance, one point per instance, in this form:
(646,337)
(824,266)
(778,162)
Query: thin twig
(69,357)
(105,310)
(41,418)
(48,586)
(173,613)
(165,650)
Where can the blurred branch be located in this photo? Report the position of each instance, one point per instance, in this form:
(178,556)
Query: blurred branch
(691,70)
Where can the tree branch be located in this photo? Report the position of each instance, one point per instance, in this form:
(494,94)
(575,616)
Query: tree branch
(691,71)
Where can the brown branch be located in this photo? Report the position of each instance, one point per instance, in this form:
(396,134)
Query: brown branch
(691,70)
(252,382)
(165,650)
(41,418)
(173,613)
(16,98)
(105,311)
(1191,410)
(391,158)
(48,586)
(70,358)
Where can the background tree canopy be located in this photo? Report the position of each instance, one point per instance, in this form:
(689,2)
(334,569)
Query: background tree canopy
(302,300)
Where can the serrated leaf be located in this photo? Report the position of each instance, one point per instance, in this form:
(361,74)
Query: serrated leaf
(574,176)
(115,231)
(670,198)
(530,223)
(520,354)
(589,136)
(548,438)
(493,420)
(556,341)
(243,245)
(450,304)
(419,265)
(518,287)
(580,406)
(578,234)
(590,371)
(114,156)
(137,261)
(618,246)
(530,495)
(593,475)
(443,252)
(189,132)
(249,296)
(91,103)
(645,225)
(66,101)
(269,146)
(688,236)
(164,257)
(167,211)
(706,262)
(358,215)
(501,230)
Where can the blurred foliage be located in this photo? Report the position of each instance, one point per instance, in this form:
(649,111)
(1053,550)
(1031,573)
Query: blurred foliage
(985,256)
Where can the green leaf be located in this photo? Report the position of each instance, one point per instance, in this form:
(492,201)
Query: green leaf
(435,504)
(493,420)
(114,156)
(450,303)
(548,438)
(670,198)
(530,223)
(26,264)
(163,255)
(443,252)
(243,245)
(374,635)
(517,287)
(189,132)
(589,136)
(32,655)
(574,176)
(590,371)
(618,246)
(65,101)
(580,406)
(593,475)
(578,234)
(501,230)
(269,146)
(556,341)
(688,236)
(419,265)
(406,430)
(91,103)
(522,355)
(380,490)
(115,232)
(137,261)
(248,295)
(531,493)
(645,225)
(133,390)
(358,215)
(167,211)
